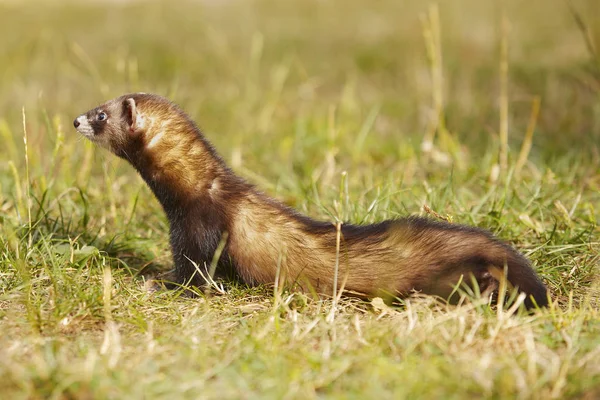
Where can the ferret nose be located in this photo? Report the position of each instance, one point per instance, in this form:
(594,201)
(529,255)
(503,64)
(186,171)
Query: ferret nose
(76,123)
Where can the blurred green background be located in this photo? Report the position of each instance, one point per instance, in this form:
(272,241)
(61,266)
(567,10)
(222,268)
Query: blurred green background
(227,62)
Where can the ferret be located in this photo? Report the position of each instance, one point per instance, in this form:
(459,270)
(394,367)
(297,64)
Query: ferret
(261,240)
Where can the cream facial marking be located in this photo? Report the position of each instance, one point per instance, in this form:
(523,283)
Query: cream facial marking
(83,126)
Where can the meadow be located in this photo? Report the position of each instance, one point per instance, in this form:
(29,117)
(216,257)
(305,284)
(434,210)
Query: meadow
(485,113)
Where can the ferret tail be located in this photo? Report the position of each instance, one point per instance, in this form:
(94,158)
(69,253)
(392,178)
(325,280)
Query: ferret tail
(519,274)
(460,250)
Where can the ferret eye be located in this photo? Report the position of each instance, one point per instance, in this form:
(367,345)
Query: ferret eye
(102,116)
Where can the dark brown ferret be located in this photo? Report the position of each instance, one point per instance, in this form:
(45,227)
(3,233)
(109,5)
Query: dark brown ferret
(206,203)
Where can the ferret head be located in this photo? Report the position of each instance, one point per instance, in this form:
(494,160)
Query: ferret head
(120,123)
(156,137)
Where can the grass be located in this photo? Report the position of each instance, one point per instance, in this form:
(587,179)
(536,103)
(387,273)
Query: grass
(488,113)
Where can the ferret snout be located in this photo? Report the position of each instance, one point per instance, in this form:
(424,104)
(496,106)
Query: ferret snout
(83,126)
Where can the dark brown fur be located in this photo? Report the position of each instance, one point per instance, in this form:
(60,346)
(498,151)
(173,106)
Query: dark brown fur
(203,199)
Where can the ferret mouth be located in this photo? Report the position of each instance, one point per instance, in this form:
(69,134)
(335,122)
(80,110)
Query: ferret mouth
(83,126)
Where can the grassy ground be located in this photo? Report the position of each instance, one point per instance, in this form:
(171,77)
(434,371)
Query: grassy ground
(341,110)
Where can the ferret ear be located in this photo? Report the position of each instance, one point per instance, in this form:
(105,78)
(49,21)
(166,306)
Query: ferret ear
(130,112)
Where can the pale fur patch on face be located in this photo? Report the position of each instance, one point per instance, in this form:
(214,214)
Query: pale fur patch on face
(84,127)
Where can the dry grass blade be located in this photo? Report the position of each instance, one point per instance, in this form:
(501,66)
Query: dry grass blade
(528,139)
